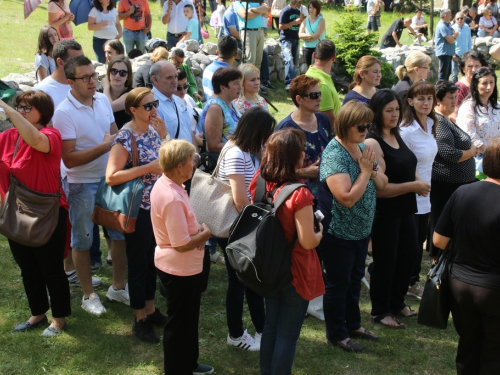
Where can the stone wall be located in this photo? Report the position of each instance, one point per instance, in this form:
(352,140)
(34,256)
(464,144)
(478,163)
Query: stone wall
(484,45)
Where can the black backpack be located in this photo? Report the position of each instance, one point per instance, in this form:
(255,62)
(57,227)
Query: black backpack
(257,248)
(154,43)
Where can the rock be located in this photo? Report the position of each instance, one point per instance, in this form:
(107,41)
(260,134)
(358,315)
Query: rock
(272,46)
(143,58)
(101,70)
(199,85)
(239,57)
(96,64)
(303,68)
(479,41)
(192,45)
(11,84)
(5,125)
(209,48)
(188,61)
(202,59)
(271,59)
(483,49)
(397,57)
(279,64)
(281,75)
(25,88)
(27,79)
(196,68)
(212,57)
(189,53)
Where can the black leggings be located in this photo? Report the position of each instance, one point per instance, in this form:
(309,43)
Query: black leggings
(308,55)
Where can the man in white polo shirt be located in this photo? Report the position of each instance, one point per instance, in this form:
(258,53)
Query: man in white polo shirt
(173,15)
(87,126)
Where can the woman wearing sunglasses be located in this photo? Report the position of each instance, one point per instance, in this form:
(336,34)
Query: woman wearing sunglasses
(418,131)
(193,110)
(116,85)
(306,95)
(348,180)
(148,130)
(37,166)
(394,233)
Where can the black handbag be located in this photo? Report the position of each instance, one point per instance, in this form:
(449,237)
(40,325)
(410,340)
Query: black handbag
(435,305)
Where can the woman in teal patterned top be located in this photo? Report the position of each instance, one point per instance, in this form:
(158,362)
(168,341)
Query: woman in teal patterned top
(349,179)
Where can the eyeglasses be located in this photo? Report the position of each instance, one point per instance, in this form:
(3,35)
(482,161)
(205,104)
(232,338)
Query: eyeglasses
(25,108)
(149,106)
(363,128)
(122,73)
(86,79)
(183,87)
(313,95)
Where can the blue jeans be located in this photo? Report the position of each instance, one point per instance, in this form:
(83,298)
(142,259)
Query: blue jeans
(290,50)
(235,294)
(172,40)
(285,313)
(134,39)
(344,262)
(444,67)
(98,46)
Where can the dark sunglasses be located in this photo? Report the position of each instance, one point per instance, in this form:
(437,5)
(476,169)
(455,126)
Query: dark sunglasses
(363,128)
(149,106)
(183,87)
(25,108)
(122,73)
(313,95)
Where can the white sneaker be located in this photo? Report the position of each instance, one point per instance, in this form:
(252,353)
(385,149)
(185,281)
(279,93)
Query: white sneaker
(74,281)
(315,308)
(93,305)
(120,295)
(258,337)
(217,258)
(245,342)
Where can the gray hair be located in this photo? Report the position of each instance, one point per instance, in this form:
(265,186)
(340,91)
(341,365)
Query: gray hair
(444,12)
(177,52)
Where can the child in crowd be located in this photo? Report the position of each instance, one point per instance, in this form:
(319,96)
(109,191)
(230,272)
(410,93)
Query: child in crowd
(192,30)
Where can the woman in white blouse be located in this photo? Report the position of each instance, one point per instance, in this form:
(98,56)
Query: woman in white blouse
(103,20)
(418,131)
(479,114)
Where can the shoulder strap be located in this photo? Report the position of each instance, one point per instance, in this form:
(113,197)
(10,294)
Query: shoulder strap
(221,157)
(285,192)
(133,144)
(260,191)
(17,145)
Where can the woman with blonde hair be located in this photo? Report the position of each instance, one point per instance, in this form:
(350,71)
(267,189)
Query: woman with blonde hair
(250,83)
(367,77)
(416,68)
(142,77)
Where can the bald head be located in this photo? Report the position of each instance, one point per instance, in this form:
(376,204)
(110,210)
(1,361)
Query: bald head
(164,77)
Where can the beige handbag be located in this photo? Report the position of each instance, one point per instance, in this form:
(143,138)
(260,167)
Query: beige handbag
(212,200)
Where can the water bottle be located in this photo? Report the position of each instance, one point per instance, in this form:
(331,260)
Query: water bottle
(3,116)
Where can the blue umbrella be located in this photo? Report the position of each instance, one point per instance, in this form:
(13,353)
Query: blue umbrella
(81,10)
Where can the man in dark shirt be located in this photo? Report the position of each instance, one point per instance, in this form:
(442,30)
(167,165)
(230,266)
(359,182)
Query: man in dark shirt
(471,19)
(290,21)
(393,34)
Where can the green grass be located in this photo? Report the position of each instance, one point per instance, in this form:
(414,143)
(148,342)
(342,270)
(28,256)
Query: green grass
(105,345)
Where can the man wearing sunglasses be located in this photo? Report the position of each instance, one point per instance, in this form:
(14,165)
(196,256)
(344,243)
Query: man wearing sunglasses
(463,43)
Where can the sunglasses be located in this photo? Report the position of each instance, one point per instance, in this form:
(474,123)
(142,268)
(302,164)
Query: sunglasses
(25,108)
(149,106)
(183,87)
(313,95)
(122,73)
(363,128)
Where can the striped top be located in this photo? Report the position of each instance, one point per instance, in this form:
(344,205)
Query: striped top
(237,162)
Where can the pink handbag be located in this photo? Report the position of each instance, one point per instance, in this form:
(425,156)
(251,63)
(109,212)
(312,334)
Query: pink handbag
(205,33)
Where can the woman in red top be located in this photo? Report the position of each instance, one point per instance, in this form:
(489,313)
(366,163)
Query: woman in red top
(37,165)
(285,311)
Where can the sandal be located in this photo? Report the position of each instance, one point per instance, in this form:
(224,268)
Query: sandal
(378,319)
(407,312)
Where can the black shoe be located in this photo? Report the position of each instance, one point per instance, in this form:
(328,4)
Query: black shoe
(157,318)
(145,332)
(203,369)
(23,327)
(366,335)
(263,89)
(268,85)
(350,346)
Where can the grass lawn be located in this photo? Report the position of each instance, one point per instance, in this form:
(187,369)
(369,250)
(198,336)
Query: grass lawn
(105,345)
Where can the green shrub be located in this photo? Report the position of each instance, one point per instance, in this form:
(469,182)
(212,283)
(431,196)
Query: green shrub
(389,78)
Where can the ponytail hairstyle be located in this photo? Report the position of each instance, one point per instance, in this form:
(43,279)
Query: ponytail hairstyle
(363,64)
(414,60)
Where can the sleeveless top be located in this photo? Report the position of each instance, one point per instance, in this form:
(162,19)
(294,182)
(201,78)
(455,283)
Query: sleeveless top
(401,165)
(311,29)
(230,114)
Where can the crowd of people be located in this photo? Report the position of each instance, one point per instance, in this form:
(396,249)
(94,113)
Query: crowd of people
(394,168)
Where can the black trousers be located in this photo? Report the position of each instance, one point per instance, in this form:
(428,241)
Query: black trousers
(42,268)
(394,246)
(180,338)
(422,224)
(140,247)
(476,316)
(308,55)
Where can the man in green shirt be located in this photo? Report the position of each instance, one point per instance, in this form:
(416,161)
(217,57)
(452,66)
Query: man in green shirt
(324,56)
(177,58)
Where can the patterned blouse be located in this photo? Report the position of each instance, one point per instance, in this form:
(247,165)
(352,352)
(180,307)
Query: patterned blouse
(148,145)
(353,223)
(230,114)
(482,126)
(242,104)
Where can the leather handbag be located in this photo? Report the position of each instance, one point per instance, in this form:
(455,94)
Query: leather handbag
(212,200)
(28,217)
(435,305)
(117,207)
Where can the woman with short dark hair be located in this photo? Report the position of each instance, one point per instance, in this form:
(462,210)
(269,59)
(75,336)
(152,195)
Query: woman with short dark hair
(348,179)
(113,48)
(104,22)
(470,221)
(37,164)
(469,63)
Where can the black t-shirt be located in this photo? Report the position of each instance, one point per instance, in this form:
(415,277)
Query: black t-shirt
(397,26)
(472,218)
(289,14)
(122,117)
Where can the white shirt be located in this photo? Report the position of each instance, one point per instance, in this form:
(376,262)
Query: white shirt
(109,31)
(174,113)
(425,148)
(87,126)
(417,22)
(190,104)
(57,91)
(178,21)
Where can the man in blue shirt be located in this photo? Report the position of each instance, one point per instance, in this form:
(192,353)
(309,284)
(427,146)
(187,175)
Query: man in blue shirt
(289,37)
(227,50)
(444,41)
(463,43)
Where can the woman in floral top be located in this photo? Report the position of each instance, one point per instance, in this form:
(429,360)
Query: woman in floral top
(148,130)
(250,94)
